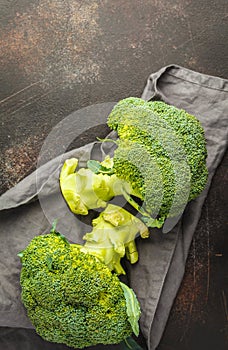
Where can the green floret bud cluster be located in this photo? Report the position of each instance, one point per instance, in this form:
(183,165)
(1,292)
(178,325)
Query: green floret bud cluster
(72,297)
(161,152)
(192,137)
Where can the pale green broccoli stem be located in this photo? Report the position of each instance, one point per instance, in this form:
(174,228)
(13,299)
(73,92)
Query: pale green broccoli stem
(121,187)
(113,235)
(106,140)
(131,252)
(146,217)
(134,204)
(84,190)
(115,230)
(68,183)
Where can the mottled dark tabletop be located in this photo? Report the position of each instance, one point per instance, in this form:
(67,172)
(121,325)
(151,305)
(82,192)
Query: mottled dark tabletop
(57,56)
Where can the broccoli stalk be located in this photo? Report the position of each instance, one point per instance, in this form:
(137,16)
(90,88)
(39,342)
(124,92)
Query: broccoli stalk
(115,229)
(113,235)
(85,189)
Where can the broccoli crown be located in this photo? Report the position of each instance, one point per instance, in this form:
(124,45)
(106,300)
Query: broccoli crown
(161,152)
(71,297)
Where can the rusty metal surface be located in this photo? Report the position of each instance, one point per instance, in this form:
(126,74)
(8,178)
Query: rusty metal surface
(58,56)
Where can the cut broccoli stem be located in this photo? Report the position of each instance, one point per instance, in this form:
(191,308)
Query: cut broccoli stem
(131,252)
(134,204)
(107,140)
(54,224)
(146,217)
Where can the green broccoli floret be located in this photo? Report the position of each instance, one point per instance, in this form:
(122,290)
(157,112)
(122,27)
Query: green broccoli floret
(161,152)
(72,297)
(191,136)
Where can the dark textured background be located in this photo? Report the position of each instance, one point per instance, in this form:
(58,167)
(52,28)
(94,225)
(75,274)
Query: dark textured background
(59,56)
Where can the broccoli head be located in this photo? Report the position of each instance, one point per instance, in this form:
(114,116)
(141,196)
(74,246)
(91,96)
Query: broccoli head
(161,152)
(72,297)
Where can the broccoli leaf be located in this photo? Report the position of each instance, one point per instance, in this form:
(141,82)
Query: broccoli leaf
(20,254)
(97,168)
(150,222)
(49,263)
(62,237)
(133,308)
(53,230)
